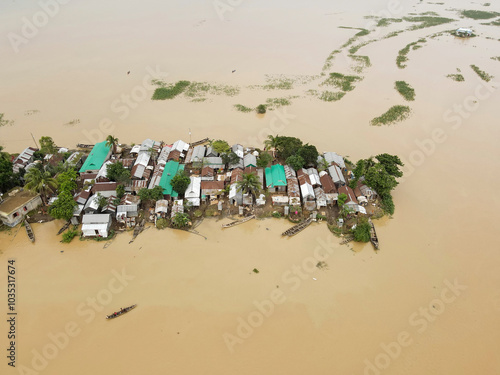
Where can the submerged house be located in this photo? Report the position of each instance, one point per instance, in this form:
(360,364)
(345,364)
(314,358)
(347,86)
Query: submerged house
(276,179)
(96,225)
(17,204)
(464,32)
(211,189)
(99,154)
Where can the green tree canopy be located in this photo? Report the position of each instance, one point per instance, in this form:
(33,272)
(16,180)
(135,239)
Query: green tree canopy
(341,199)
(230,158)
(261,108)
(8,179)
(180,220)
(378,178)
(112,142)
(40,182)
(287,146)
(264,159)
(391,164)
(295,161)
(180,182)
(362,231)
(309,153)
(67,180)
(120,191)
(47,145)
(117,172)
(249,184)
(63,207)
(153,194)
(220,146)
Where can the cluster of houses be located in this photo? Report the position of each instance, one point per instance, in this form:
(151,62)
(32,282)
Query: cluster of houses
(153,163)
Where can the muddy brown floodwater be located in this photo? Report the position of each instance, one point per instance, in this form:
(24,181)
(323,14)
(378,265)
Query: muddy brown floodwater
(427,302)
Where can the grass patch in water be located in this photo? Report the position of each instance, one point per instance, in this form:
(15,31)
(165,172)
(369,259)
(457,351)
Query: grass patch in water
(341,81)
(492,23)
(403,53)
(481,73)
(363,62)
(405,90)
(395,114)
(497,58)
(243,109)
(329,96)
(427,21)
(170,91)
(479,14)
(4,121)
(456,77)
(383,22)
(273,103)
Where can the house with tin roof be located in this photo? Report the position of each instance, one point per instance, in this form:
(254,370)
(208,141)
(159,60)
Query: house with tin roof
(99,154)
(276,179)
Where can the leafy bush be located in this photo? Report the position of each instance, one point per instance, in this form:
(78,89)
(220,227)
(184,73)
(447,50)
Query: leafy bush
(242,108)
(295,161)
(161,223)
(362,232)
(261,108)
(388,204)
(68,236)
(276,214)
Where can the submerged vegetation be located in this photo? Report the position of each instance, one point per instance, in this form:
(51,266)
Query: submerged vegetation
(481,73)
(329,96)
(456,77)
(4,122)
(497,58)
(273,103)
(427,21)
(395,114)
(170,91)
(341,81)
(403,53)
(194,90)
(479,14)
(242,108)
(405,90)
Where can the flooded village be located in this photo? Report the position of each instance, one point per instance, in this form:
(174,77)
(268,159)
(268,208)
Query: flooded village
(107,188)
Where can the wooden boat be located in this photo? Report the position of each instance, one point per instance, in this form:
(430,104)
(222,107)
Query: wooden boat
(66,226)
(29,231)
(297,228)
(233,223)
(200,142)
(121,312)
(373,236)
(80,145)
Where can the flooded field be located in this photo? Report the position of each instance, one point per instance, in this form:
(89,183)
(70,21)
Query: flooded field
(427,302)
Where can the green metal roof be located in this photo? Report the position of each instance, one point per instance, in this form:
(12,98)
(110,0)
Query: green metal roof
(171,169)
(96,158)
(275,176)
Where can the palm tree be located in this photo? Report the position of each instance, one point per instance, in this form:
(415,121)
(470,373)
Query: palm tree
(40,182)
(270,142)
(112,142)
(249,184)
